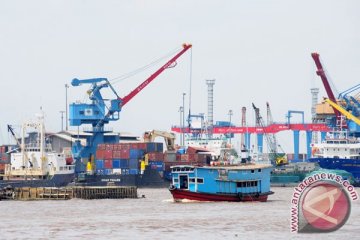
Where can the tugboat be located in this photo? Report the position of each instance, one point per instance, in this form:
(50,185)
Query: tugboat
(232,183)
(36,165)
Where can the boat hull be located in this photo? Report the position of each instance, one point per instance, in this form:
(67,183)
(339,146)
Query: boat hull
(350,165)
(150,178)
(58,180)
(180,194)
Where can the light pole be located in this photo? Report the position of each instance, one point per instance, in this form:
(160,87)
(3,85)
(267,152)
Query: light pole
(66,106)
(62,120)
(230,114)
(183,120)
(181,110)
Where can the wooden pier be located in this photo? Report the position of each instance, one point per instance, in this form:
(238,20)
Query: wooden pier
(87,192)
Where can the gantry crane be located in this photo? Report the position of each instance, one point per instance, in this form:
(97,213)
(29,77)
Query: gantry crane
(98,112)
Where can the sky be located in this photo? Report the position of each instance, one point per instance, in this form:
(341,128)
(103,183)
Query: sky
(257,51)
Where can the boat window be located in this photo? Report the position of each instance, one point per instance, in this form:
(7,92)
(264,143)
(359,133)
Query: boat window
(192,180)
(252,170)
(200,180)
(259,170)
(247,184)
(176,180)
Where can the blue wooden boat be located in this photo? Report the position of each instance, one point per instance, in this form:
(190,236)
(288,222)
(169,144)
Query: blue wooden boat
(245,182)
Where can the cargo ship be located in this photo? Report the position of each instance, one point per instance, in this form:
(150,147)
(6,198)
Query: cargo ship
(34,163)
(233,183)
(125,164)
(338,151)
(291,174)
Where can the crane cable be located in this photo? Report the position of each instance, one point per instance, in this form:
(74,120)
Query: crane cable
(118,79)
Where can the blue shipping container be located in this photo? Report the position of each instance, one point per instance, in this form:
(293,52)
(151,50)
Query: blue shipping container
(124,171)
(100,171)
(124,163)
(133,171)
(159,147)
(136,153)
(108,171)
(116,163)
(159,166)
(150,147)
(99,164)
(134,163)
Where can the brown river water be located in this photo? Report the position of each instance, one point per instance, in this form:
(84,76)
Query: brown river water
(157,217)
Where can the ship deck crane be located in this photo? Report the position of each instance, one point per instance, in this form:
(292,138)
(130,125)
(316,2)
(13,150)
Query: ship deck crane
(320,72)
(343,111)
(98,113)
(169,138)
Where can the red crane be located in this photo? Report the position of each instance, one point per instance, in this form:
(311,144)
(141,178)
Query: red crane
(169,64)
(320,72)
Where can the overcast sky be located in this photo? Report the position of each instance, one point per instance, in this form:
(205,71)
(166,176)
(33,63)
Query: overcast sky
(257,51)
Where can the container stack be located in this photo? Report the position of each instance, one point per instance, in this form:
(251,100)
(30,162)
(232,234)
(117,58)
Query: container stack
(4,158)
(189,158)
(125,158)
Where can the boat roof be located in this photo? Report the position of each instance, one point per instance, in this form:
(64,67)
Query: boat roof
(230,167)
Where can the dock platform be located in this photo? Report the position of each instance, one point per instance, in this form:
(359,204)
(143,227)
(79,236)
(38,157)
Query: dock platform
(65,193)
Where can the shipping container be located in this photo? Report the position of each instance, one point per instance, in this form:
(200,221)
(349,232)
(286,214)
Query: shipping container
(100,171)
(170,157)
(157,165)
(156,156)
(134,146)
(159,147)
(109,146)
(108,171)
(134,163)
(108,163)
(108,154)
(184,157)
(142,146)
(124,163)
(136,153)
(99,163)
(150,147)
(100,154)
(116,163)
(125,153)
(116,154)
(101,147)
(133,171)
(124,171)
(117,171)
(123,146)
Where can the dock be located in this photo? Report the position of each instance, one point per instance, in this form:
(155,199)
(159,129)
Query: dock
(66,193)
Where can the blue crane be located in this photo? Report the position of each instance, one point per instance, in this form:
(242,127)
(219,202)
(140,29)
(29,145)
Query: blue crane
(99,112)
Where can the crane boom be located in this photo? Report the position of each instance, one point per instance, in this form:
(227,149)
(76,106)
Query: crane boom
(320,72)
(134,92)
(343,111)
(169,138)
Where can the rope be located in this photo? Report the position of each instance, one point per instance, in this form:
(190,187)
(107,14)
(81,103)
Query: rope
(136,71)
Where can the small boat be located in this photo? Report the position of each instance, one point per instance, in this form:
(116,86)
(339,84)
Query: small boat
(36,165)
(232,183)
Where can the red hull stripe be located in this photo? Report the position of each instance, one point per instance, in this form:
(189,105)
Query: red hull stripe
(184,194)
